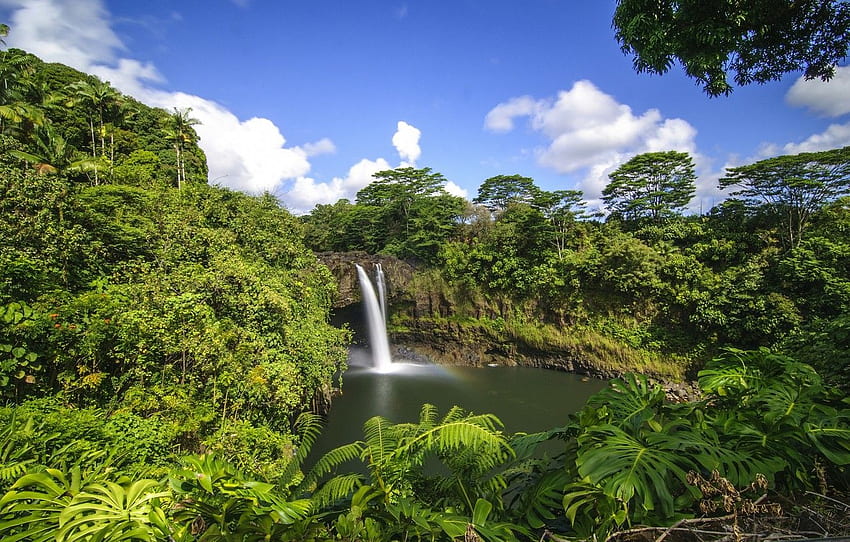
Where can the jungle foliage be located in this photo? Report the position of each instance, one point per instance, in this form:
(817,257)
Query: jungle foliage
(129,286)
(764,425)
(163,344)
(766,268)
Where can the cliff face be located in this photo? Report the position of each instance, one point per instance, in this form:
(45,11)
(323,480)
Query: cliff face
(397,272)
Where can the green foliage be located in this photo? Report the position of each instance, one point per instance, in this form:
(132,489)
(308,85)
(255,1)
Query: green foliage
(754,40)
(793,187)
(653,185)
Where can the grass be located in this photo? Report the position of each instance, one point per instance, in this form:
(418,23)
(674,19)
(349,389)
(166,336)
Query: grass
(591,346)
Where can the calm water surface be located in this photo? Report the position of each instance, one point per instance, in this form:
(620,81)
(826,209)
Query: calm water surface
(525,399)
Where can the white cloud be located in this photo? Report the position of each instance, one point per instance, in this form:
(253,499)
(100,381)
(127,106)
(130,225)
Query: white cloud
(306,193)
(588,130)
(835,136)
(501,117)
(830,98)
(456,190)
(406,142)
(323,146)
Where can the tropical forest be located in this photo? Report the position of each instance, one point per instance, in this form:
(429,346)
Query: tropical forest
(170,349)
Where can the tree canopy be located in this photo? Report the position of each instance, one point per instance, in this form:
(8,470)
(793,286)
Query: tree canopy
(793,186)
(754,40)
(652,185)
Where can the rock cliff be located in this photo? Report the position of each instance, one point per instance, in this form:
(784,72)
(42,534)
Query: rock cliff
(398,274)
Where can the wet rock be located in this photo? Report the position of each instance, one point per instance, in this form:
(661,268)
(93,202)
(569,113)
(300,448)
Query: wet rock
(341,264)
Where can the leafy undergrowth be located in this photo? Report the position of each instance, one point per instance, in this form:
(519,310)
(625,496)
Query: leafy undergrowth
(764,456)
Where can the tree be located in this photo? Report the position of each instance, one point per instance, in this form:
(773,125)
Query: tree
(409,212)
(100,99)
(561,208)
(178,129)
(793,186)
(757,40)
(496,193)
(652,185)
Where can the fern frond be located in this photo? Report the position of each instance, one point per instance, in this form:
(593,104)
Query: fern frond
(330,461)
(428,415)
(337,488)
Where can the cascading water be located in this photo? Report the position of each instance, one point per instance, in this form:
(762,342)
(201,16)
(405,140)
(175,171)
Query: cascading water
(381,359)
(380,282)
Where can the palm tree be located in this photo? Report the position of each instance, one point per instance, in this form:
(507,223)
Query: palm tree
(15,81)
(100,99)
(178,130)
(53,155)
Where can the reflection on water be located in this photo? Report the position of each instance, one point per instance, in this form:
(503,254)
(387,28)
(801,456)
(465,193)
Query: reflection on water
(524,399)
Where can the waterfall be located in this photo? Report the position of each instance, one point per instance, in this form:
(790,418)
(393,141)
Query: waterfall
(380,344)
(380,282)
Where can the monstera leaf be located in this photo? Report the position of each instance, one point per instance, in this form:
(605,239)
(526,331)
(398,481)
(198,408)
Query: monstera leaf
(629,401)
(830,434)
(646,471)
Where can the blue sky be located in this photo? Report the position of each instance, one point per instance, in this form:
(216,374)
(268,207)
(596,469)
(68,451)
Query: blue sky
(308,99)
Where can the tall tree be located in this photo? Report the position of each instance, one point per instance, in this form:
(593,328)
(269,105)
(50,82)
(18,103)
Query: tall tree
(178,129)
(496,193)
(99,99)
(561,208)
(793,186)
(757,40)
(652,185)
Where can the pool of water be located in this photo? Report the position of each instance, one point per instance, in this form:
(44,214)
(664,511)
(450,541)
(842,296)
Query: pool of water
(524,399)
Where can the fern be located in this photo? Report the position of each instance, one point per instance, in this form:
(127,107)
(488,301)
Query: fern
(330,461)
(308,427)
(337,488)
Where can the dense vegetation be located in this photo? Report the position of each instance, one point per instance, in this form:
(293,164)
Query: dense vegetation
(129,285)
(647,288)
(164,344)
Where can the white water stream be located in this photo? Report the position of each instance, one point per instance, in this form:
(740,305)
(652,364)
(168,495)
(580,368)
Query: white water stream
(379,343)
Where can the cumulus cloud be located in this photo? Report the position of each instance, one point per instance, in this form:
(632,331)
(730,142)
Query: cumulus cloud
(501,117)
(835,136)
(589,131)
(406,142)
(456,190)
(828,98)
(305,192)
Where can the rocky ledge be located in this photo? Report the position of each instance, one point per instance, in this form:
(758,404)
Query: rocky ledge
(453,344)
(341,265)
